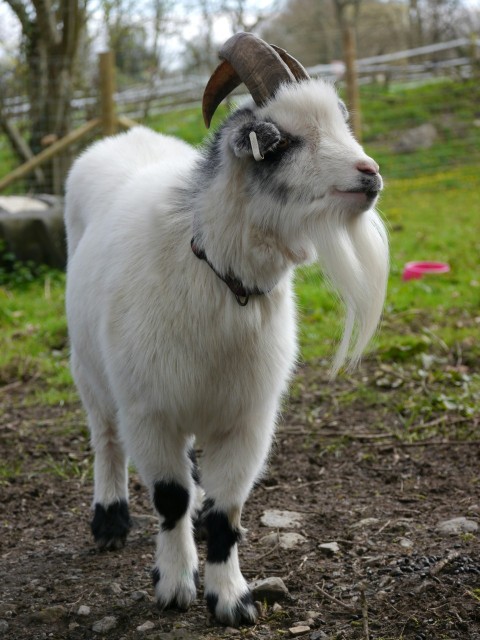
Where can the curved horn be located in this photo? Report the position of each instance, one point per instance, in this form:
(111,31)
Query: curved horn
(292,63)
(250,60)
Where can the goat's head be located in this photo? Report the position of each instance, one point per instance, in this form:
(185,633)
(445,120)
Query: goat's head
(309,180)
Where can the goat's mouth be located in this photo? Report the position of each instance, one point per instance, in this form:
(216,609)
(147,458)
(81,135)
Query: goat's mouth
(361,195)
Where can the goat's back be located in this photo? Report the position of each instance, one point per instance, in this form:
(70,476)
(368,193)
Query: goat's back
(97,176)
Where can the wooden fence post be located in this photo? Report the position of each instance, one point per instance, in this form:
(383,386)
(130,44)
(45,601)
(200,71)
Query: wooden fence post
(107,89)
(351,78)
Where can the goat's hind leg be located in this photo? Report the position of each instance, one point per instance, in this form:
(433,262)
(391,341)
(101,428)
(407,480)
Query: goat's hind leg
(111,520)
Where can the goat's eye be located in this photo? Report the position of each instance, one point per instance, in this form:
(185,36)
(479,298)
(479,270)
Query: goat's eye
(283,144)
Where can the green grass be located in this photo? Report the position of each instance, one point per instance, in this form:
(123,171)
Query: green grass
(33,337)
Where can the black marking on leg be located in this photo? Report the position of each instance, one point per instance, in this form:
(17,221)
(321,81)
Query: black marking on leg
(196,579)
(199,524)
(171,502)
(212,601)
(156,576)
(242,612)
(195,470)
(111,525)
(221,536)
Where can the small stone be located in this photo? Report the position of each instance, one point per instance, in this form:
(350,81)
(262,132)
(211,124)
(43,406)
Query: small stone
(72,626)
(232,632)
(146,626)
(366,522)
(287,540)
(83,610)
(299,631)
(3,627)
(281,519)
(116,589)
(319,635)
(405,543)
(105,624)
(277,607)
(456,526)
(269,589)
(329,548)
(139,595)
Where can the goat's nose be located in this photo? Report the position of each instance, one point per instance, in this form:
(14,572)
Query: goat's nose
(370,167)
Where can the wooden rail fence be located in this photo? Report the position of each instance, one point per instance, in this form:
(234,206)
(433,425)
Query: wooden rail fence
(108,122)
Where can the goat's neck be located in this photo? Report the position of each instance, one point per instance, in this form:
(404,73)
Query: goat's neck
(234,244)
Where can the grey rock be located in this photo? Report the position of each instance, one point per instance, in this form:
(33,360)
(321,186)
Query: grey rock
(3,627)
(318,635)
(16,204)
(329,548)
(146,626)
(139,595)
(366,522)
(116,589)
(36,234)
(406,543)
(269,589)
(83,610)
(299,631)
(278,519)
(456,526)
(105,624)
(421,137)
(287,540)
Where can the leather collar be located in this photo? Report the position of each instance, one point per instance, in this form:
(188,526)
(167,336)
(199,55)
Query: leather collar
(236,286)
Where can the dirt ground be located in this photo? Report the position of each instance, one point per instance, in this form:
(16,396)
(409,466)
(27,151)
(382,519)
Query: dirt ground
(338,463)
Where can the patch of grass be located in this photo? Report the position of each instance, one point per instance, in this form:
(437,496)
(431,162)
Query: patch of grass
(33,338)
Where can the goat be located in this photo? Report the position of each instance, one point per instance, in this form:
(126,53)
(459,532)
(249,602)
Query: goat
(180,306)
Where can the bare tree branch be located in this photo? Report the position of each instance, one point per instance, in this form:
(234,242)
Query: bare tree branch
(19,9)
(46,21)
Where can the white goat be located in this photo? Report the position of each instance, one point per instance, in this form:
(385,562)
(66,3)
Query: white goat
(165,348)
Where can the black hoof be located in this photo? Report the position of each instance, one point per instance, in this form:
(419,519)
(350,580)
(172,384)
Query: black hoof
(241,612)
(111,525)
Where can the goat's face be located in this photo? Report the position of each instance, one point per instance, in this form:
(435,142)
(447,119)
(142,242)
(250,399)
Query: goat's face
(294,164)
(307,156)
(315,189)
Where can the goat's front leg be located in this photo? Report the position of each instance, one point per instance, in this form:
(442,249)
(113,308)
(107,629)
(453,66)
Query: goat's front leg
(229,468)
(162,458)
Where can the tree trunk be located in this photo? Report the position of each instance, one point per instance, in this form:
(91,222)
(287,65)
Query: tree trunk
(50,94)
(51,40)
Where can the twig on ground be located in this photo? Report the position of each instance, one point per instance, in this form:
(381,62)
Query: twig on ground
(363,602)
(344,605)
(441,564)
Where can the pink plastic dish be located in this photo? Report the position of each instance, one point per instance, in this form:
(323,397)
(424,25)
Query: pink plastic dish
(415,270)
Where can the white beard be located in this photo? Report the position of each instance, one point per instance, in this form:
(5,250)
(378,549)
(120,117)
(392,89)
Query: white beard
(353,253)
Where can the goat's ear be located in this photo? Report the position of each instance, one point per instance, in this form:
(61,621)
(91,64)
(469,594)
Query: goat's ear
(254,139)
